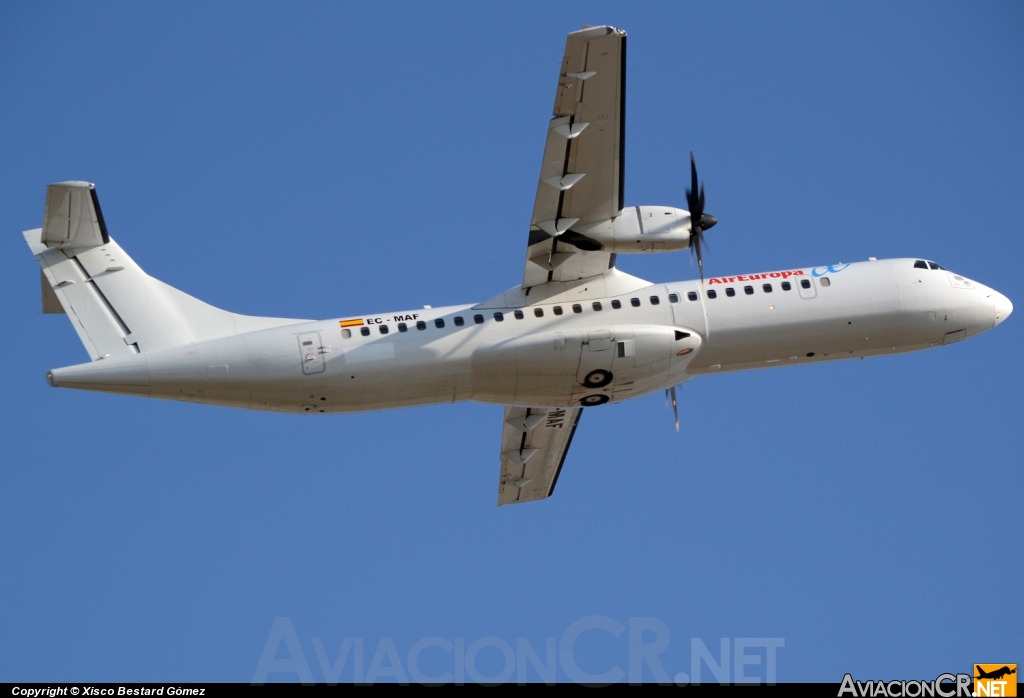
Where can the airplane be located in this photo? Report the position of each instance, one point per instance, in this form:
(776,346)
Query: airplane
(576,333)
(995,674)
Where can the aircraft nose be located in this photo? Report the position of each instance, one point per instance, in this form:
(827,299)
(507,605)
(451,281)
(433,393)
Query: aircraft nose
(1003,307)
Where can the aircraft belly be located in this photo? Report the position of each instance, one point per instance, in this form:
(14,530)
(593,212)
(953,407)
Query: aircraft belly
(537,369)
(270,371)
(798,332)
(582,366)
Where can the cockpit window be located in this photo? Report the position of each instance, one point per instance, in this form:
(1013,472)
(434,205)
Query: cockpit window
(933,265)
(920,264)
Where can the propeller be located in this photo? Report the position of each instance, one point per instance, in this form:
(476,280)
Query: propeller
(699,221)
(671,392)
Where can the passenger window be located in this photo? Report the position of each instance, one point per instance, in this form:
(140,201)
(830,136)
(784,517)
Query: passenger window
(825,281)
(596,305)
(499,317)
(767,288)
(674,298)
(655,300)
(518,314)
(421,325)
(538,312)
(635,302)
(712,293)
(439,323)
(786,286)
(478,319)
(920,264)
(730,292)
(577,308)
(383,329)
(365,331)
(402,327)
(805,283)
(691,295)
(557,310)
(616,304)
(345,334)
(459,322)
(749,290)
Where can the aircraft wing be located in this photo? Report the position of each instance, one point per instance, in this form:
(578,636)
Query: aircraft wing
(534,443)
(581,176)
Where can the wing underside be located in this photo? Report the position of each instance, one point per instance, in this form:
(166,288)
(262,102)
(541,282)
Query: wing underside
(580,187)
(581,179)
(534,442)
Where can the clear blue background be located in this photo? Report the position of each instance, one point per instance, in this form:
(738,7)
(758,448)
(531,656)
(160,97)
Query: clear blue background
(321,159)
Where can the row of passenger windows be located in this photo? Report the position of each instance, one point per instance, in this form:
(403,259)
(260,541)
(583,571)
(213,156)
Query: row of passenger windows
(499,316)
(749,290)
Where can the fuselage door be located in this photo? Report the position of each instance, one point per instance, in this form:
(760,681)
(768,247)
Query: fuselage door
(806,287)
(311,351)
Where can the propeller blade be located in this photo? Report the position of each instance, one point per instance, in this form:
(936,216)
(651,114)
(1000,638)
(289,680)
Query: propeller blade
(699,221)
(694,202)
(695,238)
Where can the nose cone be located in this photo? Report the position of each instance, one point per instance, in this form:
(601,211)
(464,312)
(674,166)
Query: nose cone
(1003,307)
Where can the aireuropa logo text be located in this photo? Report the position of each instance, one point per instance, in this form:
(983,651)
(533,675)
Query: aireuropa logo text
(438,660)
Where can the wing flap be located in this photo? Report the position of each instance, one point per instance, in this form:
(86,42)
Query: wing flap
(534,443)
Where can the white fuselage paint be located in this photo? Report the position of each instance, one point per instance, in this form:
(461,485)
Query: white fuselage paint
(866,309)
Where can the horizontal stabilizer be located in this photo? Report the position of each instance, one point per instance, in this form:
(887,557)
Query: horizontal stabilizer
(51,304)
(72,217)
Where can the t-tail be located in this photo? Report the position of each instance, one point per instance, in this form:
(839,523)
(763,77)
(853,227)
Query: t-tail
(117,309)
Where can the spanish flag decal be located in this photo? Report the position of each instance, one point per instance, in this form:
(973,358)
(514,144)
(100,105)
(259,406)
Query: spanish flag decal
(351,323)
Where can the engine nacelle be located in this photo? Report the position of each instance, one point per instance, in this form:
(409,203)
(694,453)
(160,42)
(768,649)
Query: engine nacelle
(636,229)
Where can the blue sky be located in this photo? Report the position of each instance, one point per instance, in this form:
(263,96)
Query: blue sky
(321,159)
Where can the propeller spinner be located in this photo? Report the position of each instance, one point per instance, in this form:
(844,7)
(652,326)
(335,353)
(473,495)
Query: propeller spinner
(699,221)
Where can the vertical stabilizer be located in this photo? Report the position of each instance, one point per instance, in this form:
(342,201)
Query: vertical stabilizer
(116,308)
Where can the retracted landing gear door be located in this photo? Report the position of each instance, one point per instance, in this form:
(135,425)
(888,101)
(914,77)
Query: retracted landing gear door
(594,375)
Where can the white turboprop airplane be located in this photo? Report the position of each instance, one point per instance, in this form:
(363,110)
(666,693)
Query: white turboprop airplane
(576,333)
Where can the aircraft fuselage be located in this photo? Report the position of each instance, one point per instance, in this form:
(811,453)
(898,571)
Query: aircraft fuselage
(583,346)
